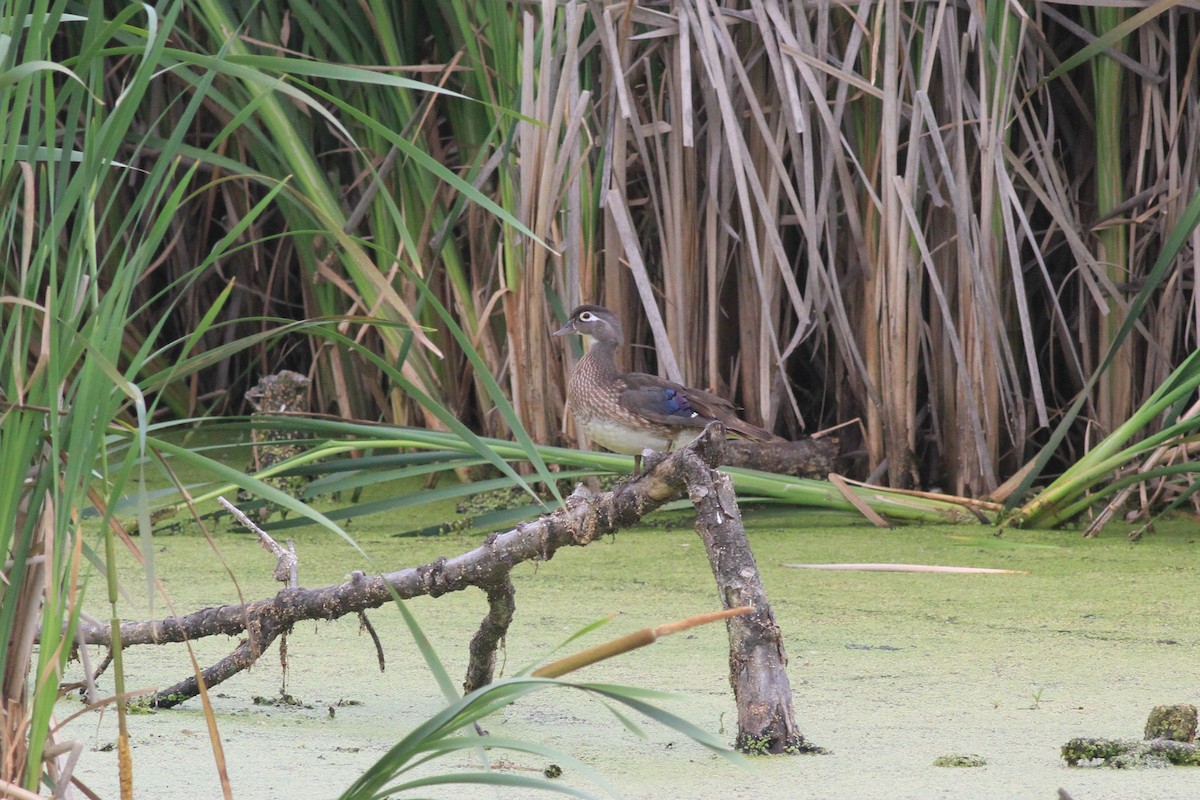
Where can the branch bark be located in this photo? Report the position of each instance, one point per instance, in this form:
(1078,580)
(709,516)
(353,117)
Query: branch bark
(806,458)
(502,604)
(757,659)
(766,719)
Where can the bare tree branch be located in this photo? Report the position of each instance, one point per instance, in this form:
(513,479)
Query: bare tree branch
(766,719)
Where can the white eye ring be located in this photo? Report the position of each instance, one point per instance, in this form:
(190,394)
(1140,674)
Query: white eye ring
(587,316)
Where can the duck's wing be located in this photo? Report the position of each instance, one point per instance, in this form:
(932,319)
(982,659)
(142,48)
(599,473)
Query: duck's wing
(724,411)
(659,400)
(668,403)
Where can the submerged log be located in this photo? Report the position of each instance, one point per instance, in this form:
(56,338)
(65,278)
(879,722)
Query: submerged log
(766,718)
(806,458)
(1130,753)
(1170,731)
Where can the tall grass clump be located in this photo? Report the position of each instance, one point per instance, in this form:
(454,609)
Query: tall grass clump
(85,227)
(111,154)
(929,218)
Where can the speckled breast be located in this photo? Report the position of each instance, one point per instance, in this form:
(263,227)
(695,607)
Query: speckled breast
(595,405)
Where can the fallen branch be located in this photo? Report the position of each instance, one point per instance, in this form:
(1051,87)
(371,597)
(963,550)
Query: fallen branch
(757,657)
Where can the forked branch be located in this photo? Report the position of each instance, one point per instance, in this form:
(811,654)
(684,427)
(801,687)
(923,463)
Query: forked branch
(757,658)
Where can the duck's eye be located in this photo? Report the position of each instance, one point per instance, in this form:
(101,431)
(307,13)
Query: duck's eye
(587,316)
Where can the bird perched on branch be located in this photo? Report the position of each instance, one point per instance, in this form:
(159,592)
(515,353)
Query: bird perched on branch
(629,412)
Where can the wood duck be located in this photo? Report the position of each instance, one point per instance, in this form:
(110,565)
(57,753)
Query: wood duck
(628,412)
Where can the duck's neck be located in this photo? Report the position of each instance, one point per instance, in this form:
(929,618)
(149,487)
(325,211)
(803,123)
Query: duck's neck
(602,358)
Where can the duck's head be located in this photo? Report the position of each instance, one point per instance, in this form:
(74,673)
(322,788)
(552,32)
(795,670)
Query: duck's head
(595,321)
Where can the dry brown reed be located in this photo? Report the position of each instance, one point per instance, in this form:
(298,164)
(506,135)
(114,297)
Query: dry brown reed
(892,211)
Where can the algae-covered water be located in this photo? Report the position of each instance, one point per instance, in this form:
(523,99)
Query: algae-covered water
(890,671)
